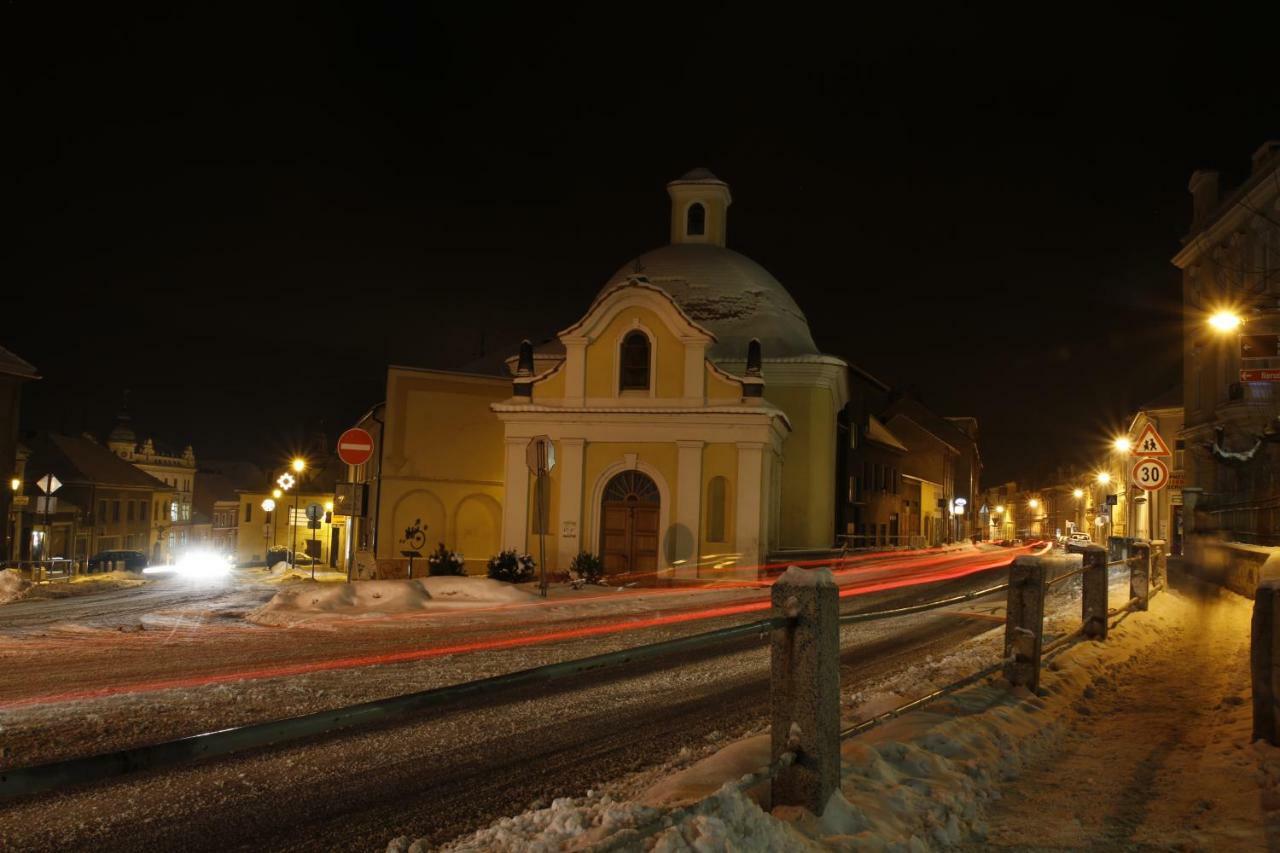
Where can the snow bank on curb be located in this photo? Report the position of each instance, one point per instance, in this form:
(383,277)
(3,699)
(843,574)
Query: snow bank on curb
(306,601)
(12,585)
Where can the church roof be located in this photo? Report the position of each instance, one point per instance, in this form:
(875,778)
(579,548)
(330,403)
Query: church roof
(728,293)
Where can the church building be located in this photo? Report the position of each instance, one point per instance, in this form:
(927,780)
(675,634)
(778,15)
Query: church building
(694,424)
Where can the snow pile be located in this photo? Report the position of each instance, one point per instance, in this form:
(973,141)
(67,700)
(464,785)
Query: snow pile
(12,585)
(304,602)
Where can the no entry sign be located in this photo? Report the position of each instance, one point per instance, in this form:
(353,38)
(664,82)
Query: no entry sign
(355,446)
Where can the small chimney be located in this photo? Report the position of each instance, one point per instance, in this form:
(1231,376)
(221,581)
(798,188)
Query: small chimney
(522,385)
(1266,152)
(753,382)
(1204,196)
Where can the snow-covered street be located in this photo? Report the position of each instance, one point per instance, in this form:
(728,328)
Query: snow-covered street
(455,770)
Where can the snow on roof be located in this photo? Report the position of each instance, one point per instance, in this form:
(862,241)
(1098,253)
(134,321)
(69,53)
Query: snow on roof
(728,293)
(12,365)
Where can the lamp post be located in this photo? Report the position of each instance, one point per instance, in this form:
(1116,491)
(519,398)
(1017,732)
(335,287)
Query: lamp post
(1103,478)
(299,465)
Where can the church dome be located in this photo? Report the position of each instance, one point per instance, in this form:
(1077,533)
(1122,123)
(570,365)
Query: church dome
(728,293)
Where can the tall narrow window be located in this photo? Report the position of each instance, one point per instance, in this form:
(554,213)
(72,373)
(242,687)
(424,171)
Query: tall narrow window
(715,509)
(635,362)
(696,220)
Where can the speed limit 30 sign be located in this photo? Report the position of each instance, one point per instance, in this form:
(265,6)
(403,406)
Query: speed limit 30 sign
(1151,474)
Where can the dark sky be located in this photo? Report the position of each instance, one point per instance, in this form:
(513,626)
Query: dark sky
(242,216)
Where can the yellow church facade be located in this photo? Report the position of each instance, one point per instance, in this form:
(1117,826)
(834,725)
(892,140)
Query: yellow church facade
(693,421)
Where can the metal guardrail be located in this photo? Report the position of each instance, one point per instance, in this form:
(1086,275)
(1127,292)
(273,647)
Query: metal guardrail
(874,615)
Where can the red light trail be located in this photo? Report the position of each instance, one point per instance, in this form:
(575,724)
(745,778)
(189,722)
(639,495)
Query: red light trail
(939,569)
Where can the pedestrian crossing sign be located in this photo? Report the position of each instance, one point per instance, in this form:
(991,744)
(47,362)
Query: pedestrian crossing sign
(1150,443)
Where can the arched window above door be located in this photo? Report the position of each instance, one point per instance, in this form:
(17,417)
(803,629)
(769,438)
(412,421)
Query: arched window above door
(632,487)
(634,372)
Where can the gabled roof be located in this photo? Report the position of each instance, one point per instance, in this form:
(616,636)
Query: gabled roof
(923,428)
(923,416)
(79,461)
(12,365)
(880,434)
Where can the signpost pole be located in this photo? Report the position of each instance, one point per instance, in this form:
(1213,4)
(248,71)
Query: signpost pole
(542,529)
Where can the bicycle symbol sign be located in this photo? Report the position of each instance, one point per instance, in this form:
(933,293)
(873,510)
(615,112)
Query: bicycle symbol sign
(1151,474)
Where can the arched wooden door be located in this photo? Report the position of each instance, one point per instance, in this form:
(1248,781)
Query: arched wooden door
(629,524)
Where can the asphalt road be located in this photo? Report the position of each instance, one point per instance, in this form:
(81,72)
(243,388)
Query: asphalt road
(124,607)
(459,769)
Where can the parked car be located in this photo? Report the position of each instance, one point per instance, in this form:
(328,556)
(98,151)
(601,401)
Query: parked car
(106,561)
(1079,540)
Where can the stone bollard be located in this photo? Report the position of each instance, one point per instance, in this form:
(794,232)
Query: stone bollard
(1264,659)
(804,688)
(1093,598)
(1024,623)
(1140,572)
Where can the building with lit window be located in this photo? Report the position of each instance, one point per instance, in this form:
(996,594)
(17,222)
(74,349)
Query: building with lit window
(103,504)
(1230,264)
(172,523)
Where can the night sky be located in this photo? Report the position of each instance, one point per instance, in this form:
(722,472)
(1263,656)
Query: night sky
(242,216)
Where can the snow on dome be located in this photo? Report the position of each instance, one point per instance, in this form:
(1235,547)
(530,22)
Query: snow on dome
(700,175)
(728,293)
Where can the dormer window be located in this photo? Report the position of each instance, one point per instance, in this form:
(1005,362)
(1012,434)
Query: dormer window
(634,375)
(696,220)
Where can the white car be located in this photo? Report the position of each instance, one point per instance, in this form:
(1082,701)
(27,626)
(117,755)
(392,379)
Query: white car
(1079,539)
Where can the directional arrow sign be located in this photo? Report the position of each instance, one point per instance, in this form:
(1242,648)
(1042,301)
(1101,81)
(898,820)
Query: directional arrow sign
(1150,443)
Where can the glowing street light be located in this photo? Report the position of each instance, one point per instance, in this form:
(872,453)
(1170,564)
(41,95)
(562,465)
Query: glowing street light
(1033,503)
(268,505)
(1122,444)
(1103,478)
(277,494)
(1225,321)
(15,484)
(328,506)
(299,465)
(1077,493)
(1000,509)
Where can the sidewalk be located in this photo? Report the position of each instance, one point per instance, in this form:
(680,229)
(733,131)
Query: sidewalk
(1156,753)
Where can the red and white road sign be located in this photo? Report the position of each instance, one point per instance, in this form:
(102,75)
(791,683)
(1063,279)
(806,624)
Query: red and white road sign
(1151,474)
(1150,443)
(355,446)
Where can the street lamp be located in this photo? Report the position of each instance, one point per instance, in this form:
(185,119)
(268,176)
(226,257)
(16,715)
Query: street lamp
(15,484)
(269,529)
(1225,321)
(1103,478)
(1077,493)
(1122,444)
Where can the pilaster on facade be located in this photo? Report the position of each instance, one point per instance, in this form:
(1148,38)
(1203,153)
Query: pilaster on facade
(749,506)
(516,495)
(687,533)
(572,453)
